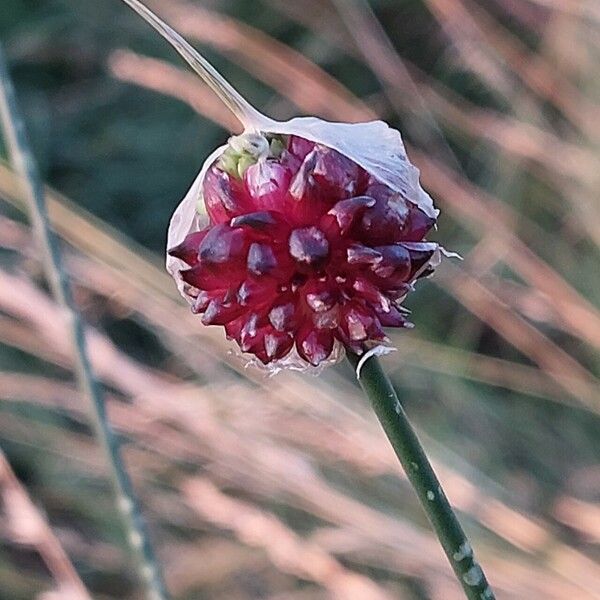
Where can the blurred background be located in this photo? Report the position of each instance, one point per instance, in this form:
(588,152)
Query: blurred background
(286,488)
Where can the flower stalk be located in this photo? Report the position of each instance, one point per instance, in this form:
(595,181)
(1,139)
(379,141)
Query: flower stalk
(24,165)
(410,452)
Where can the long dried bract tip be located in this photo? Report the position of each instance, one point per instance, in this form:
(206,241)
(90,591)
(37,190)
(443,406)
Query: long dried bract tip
(243,110)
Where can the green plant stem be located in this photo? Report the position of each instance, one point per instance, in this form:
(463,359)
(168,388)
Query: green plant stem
(24,165)
(409,450)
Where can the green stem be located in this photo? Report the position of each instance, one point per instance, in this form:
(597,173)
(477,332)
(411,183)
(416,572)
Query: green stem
(408,449)
(24,165)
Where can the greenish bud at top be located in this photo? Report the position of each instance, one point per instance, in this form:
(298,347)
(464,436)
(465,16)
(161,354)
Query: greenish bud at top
(243,151)
(277,146)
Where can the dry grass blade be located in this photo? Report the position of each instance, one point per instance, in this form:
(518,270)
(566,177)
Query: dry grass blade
(518,138)
(564,164)
(469,21)
(441,358)
(287,550)
(317,16)
(580,8)
(88,233)
(573,378)
(28,526)
(474,208)
(24,301)
(584,517)
(402,92)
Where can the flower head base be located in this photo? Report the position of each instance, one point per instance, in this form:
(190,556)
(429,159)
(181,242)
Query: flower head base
(305,251)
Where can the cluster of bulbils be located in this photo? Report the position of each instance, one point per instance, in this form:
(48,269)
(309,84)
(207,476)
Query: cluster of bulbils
(304,250)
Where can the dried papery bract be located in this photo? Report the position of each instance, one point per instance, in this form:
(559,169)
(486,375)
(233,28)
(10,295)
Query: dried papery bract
(300,238)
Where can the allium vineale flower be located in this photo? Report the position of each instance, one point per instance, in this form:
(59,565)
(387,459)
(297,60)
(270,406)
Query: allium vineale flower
(299,238)
(304,250)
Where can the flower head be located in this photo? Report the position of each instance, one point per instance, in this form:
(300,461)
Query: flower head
(304,252)
(299,238)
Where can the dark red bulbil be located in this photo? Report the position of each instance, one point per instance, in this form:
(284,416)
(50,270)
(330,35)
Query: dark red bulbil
(304,250)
